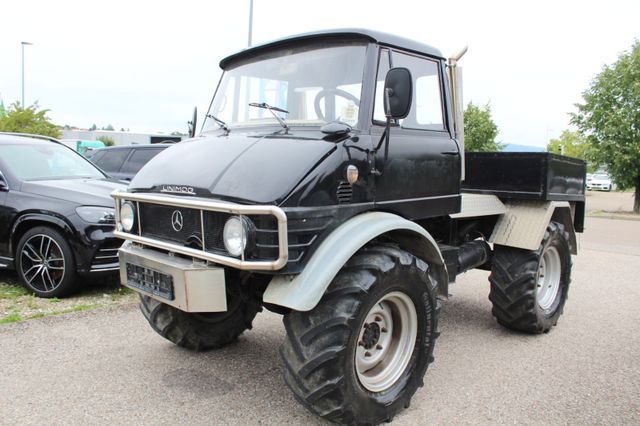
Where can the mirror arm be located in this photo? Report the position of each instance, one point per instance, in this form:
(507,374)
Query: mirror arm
(388,92)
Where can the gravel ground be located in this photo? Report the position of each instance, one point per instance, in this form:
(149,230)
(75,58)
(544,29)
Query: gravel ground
(614,202)
(108,367)
(17,304)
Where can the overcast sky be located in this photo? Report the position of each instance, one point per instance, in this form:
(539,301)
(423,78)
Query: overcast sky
(145,65)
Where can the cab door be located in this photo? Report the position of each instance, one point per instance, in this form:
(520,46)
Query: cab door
(421,176)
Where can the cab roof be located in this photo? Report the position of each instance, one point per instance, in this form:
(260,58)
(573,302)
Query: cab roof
(347,34)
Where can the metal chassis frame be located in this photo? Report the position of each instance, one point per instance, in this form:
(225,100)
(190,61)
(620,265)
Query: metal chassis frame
(208,205)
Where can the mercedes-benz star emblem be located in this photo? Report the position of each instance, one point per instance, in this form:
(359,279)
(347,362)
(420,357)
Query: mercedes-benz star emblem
(177,221)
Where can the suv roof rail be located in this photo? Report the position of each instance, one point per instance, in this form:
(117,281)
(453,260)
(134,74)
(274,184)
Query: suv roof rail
(43,137)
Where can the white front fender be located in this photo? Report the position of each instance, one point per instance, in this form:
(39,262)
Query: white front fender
(303,292)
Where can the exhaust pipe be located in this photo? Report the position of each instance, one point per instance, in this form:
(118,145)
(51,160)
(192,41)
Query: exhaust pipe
(457,102)
(473,254)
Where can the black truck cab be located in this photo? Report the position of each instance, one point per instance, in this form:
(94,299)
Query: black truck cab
(331,85)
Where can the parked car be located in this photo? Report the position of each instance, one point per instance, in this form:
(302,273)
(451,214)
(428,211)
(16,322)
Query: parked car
(123,162)
(86,148)
(56,215)
(600,182)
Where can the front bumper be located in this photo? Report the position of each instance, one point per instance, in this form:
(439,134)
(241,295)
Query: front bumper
(194,286)
(599,186)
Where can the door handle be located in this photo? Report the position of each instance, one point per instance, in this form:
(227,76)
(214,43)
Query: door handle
(450,153)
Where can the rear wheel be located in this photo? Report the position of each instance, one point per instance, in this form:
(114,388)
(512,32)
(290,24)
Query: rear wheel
(201,331)
(529,287)
(359,356)
(45,262)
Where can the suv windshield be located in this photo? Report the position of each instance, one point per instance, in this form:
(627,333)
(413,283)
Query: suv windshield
(46,161)
(315,85)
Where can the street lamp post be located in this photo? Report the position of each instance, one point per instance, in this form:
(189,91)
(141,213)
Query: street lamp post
(24,43)
(250,22)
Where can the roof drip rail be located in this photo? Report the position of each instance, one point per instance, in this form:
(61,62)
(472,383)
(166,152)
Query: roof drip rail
(43,137)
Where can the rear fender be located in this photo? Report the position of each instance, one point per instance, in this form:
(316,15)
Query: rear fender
(302,292)
(524,223)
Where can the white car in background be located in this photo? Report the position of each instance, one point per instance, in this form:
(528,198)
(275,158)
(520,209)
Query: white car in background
(600,182)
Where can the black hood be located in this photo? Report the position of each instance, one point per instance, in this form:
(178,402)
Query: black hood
(255,169)
(88,192)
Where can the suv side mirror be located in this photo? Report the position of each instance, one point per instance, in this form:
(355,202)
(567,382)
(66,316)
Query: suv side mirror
(398,93)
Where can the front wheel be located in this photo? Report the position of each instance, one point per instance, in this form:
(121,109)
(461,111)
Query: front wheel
(361,353)
(529,287)
(202,331)
(45,262)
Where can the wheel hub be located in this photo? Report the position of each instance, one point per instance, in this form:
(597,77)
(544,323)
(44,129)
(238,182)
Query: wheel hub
(42,263)
(371,335)
(386,341)
(548,279)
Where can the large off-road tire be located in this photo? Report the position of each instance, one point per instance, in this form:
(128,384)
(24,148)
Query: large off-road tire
(45,263)
(202,331)
(360,355)
(529,287)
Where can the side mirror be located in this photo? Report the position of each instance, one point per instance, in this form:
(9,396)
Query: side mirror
(192,123)
(398,93)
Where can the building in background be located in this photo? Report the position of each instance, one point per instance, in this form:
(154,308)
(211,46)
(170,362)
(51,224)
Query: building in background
(511,147)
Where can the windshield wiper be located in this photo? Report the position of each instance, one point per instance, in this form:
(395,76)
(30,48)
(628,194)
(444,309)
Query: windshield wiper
(272,110)
(221,123)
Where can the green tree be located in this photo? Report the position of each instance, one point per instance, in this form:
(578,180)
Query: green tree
(106,140)
(28,120)
(573,144)
(479,129)
(610,120)
(93,127)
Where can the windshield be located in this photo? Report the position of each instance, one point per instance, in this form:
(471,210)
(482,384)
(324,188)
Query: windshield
(600,176)
(46,161)
(315,85)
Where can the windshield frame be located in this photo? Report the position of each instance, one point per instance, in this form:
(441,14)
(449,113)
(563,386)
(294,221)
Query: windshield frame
(14,178)
(210,126)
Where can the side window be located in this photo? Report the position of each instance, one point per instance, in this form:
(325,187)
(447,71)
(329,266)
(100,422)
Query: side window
(97,156)
(383,68)
(111,161)
(426,110)
(139,158)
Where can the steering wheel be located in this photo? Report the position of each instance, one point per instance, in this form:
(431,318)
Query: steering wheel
(335,92)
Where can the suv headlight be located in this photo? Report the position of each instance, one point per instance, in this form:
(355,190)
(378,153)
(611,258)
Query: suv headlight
(127,216)
(237,232)
(95,214)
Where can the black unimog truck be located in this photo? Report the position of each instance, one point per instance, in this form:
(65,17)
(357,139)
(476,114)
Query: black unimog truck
(329,185)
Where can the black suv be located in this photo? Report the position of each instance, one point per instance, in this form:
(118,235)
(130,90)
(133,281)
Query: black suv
(56,215)
(123,162)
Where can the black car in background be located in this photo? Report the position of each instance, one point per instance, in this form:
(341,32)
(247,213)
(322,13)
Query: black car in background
(123,162)
(56,215)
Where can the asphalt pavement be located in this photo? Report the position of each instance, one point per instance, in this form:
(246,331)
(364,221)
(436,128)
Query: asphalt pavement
(108,366)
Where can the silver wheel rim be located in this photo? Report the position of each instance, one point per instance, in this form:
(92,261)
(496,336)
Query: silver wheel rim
(42,263)
(549,273)
(386,341)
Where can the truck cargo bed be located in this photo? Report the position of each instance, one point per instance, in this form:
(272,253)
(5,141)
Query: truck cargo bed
(525,175)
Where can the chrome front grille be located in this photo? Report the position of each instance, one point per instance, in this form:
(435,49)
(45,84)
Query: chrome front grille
(201,228)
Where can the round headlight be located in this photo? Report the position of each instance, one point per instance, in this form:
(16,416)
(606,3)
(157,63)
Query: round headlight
(127,216)
(235,235)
